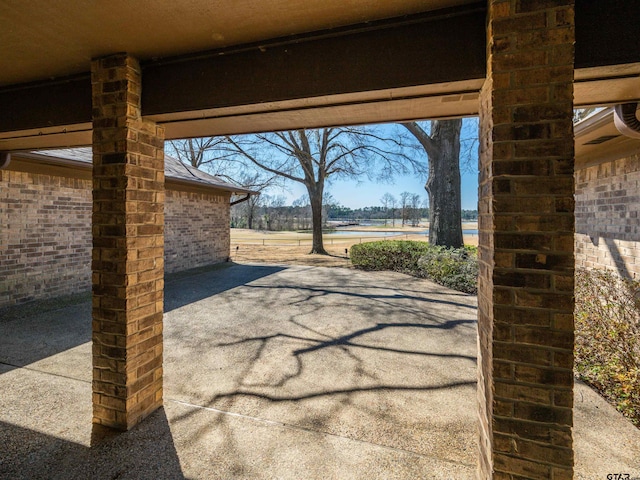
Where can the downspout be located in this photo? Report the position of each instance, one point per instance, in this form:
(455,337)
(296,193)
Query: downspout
(625,119)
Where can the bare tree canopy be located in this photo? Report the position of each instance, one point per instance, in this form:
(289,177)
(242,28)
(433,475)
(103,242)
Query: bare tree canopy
(205,153)
(212,155)
(388,202)
(313,157)
(257,182)
(442,146)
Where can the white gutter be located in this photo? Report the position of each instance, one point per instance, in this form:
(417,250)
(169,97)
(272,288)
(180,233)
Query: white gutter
(593,122)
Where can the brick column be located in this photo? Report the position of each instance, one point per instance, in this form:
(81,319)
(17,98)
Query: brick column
(526,228)
(128,248)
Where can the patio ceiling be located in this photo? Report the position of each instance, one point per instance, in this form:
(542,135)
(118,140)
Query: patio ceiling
(40,40)
(218,67)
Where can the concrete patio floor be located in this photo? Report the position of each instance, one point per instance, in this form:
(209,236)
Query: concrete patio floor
(276,372)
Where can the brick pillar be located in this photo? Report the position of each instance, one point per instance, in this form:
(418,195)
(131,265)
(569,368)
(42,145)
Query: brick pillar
(128,247)
(525,296)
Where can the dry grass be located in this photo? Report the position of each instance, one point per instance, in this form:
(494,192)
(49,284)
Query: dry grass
(288,254)
(293,248)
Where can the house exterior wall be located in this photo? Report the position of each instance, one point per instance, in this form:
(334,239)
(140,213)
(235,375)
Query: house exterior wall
(45,234)
(607,220)
(196,229)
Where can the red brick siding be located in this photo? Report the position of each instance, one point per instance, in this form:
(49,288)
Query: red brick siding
(607,221)
(196,230)
(45,236)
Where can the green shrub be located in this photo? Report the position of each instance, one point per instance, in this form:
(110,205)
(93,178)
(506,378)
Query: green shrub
(607,346)
(453,268)
(396,255)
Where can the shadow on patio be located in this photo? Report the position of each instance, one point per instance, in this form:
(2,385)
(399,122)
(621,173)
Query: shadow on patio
(272,372)
(147,451)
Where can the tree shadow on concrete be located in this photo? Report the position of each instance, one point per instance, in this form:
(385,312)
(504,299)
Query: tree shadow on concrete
(345,380)
(347,345)
(303,375)
(315,292)
(347,339)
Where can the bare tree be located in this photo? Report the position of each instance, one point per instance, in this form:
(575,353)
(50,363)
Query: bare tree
(304,211)
(205,153)
(425,207)
(257,182)
(442,147)
(387,200)
(328,200)
(274,210)
(310,157)
(212,155)
(393,204)
(245,214)
(405,198)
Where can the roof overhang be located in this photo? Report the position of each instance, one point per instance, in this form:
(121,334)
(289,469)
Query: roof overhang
(39,163)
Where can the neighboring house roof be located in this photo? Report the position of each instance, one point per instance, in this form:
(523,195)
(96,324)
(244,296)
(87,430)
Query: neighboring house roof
(174,169)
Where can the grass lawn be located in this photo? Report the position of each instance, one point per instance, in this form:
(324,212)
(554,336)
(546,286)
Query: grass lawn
(293,247)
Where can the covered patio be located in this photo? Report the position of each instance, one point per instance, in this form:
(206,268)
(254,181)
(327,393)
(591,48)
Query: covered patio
(109,75)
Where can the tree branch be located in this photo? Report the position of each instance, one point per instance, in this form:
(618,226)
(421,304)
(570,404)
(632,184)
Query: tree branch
(256,162)
(425,140)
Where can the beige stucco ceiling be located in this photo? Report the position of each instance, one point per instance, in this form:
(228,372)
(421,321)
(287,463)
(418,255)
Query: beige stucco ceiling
(44,39)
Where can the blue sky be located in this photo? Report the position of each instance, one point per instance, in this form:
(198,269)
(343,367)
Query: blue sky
(365,193)
(368,194)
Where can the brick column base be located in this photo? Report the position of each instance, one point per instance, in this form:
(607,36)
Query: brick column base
(525,297)
(128,248)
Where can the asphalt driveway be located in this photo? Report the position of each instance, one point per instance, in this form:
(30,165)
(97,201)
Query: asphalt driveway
(274,372)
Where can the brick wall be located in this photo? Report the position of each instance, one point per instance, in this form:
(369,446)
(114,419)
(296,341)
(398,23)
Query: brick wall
(607,221)
(45,236)
(196,229)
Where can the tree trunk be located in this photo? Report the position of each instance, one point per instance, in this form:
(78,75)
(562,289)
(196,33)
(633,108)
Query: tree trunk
(315,199)
(443,185)
(249,217)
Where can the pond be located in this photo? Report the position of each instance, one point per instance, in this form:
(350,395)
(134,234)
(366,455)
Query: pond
(375,233)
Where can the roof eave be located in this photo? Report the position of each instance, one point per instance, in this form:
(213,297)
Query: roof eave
(79,164)
(224,188)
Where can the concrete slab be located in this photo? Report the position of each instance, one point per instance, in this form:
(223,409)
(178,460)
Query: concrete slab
(274,372)
(605,442)
(337,351)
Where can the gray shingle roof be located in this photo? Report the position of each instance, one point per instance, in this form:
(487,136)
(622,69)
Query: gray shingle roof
(173,168)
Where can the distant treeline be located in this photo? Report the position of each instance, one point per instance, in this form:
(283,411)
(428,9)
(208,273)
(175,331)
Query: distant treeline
(339,212)
(276,217)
